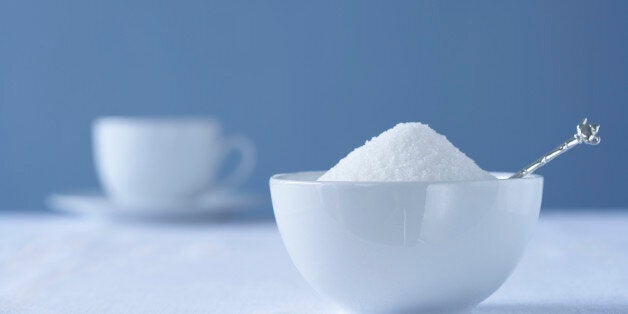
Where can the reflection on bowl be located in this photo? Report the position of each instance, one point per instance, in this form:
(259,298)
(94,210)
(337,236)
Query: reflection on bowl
(405,246)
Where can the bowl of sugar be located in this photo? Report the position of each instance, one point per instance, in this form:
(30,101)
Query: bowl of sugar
(406,223)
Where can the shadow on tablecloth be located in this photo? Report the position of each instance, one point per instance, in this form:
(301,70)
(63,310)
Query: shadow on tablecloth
(554,308)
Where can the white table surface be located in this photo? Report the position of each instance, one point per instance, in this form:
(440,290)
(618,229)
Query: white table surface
(576,263)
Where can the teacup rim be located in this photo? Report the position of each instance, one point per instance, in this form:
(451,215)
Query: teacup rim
(144,120)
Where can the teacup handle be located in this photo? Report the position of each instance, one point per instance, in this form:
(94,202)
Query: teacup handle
(248,156)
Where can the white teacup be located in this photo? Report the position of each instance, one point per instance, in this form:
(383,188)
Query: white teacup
(161,162)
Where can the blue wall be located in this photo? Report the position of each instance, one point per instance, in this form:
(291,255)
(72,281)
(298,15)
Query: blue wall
(310,80)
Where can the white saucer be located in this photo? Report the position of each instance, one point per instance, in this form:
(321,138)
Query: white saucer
(95,204)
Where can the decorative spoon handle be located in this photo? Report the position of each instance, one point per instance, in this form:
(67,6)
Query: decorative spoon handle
(585,133)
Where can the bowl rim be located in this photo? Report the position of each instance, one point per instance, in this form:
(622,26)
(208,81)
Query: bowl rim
(289,178)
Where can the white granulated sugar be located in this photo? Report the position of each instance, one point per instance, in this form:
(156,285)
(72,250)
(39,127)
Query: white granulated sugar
(407,152)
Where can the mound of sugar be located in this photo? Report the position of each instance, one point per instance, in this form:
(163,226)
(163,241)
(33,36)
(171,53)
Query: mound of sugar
(407,152)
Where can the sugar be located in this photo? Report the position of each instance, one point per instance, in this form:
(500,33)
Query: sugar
(407,152)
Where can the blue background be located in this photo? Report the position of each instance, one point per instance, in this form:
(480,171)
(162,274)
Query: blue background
(310,80)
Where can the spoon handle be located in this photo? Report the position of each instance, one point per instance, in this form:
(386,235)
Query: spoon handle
(585,133)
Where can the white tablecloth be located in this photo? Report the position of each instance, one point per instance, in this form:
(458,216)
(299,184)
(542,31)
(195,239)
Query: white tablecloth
(577,263)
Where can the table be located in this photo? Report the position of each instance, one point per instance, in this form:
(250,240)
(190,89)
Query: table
(576,263)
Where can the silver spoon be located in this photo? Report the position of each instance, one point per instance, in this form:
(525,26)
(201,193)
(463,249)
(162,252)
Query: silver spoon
(585,133)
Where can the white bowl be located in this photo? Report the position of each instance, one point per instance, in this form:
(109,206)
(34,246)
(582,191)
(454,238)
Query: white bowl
(405,246)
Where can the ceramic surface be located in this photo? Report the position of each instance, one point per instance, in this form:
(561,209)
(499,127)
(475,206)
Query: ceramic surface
(164,161)
(96,205)
(405,246)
